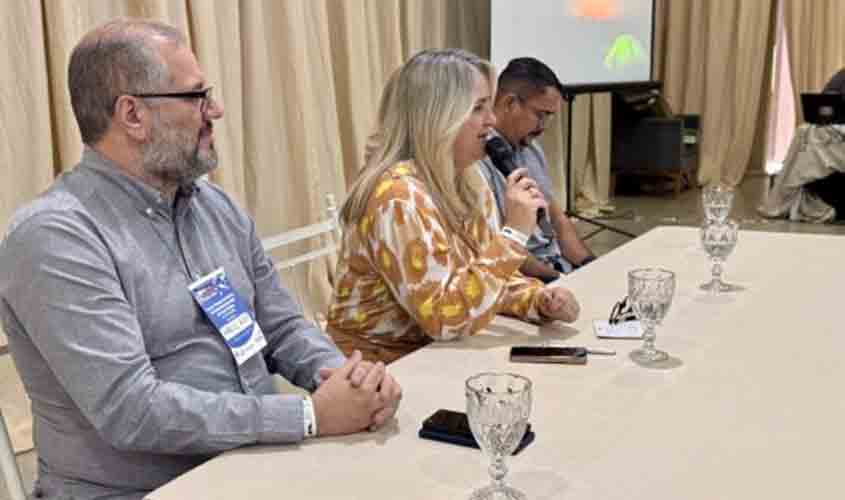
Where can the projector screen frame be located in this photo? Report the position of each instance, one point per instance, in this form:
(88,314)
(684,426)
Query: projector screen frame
(610,86)
(594,88)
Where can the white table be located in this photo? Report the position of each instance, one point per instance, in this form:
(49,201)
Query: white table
(754,408)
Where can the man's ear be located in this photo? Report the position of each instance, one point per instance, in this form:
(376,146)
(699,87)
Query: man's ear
(132,116)
(509,100)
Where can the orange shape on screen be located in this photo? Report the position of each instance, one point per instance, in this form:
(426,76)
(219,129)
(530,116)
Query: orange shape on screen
(599,10)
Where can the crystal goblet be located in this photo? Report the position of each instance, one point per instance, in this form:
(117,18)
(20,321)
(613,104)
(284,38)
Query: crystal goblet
(717,200)
(650,292)
(719,240)
(498,407)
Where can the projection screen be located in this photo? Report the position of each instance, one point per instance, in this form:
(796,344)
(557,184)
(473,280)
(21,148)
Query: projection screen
(592,43)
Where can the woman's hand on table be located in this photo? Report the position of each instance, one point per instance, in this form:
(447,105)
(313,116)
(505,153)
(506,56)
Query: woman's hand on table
(558,303)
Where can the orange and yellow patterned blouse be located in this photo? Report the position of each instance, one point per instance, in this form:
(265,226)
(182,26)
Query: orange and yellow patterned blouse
(401,281)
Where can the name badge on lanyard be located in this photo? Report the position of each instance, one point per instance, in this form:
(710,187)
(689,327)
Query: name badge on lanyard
(229,314)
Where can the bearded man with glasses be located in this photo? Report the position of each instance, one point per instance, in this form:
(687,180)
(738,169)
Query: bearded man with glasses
(142,313)
(529,95)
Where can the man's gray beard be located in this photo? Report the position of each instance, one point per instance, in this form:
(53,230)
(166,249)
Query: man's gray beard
(163,157)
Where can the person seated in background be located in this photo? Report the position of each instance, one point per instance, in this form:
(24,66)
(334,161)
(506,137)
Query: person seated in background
(422,257)
(810,186)
(116,287)
(529,95)
(831,188)
(836,84)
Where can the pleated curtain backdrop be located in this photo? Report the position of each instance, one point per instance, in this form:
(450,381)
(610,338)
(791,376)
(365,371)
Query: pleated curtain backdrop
(26,128)
(591,119)
(713,59)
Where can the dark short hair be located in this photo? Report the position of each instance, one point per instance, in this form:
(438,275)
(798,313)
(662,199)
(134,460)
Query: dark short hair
(119,57)
(526,77)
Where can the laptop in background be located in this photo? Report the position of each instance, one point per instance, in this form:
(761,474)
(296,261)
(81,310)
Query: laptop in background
(823,109)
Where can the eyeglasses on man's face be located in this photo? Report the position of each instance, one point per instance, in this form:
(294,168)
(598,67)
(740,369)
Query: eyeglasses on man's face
(541,115)
(205,96)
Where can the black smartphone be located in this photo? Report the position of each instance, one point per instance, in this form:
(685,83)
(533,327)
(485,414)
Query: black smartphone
(541,354)
(453,427)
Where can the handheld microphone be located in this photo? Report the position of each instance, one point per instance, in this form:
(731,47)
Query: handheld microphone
(502,157)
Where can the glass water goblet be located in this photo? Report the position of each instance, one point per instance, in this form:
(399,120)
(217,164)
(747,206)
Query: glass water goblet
(717,200)
(650,292)
(498,407)
(718,240)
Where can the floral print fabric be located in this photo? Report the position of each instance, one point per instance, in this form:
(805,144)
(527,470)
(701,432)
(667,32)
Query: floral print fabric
(402,280)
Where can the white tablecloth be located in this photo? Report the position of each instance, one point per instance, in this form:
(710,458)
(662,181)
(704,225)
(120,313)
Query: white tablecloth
(752,408)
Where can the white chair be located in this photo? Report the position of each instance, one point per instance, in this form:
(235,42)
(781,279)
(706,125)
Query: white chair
(8,460)
(11,473)
(325,236)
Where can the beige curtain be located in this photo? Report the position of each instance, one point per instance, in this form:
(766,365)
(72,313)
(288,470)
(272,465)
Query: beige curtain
(815,40)
(713,59)
(26,158)
(591,122)
(26,129)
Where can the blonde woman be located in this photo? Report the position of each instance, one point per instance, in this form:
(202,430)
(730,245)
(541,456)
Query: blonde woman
(422,256)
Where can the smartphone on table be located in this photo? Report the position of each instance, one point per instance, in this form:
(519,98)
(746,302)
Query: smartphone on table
(547,354)
(453,427)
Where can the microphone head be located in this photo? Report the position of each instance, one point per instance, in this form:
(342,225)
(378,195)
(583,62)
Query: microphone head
(500,154)
(502,157)
(496,148)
